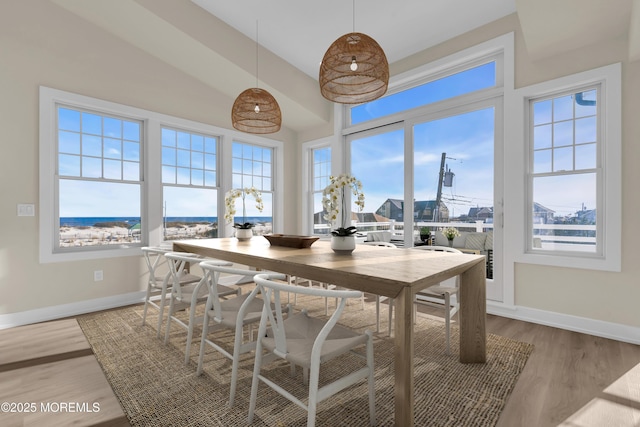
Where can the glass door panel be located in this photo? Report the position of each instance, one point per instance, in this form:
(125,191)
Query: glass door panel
(377,160)
(454,182)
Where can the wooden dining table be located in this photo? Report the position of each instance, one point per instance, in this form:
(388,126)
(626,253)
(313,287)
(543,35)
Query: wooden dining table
(397,274)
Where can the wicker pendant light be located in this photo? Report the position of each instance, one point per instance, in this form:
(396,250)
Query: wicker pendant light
(255,110)
(354,70)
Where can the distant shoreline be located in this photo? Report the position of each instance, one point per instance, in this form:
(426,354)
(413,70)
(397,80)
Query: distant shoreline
(113,232)
(127,221)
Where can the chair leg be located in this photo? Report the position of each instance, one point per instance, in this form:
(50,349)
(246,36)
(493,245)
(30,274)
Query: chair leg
(313,395)
(447,319)
(390,317)
(146,304)
(371,380)
(377,313)
(163,297)
(205,332)
(255,381)
(167,329)
(235,365)
(192,321)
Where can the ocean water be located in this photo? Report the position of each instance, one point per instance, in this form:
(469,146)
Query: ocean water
(91,221)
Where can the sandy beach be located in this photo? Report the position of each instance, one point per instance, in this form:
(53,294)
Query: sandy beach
(109,235)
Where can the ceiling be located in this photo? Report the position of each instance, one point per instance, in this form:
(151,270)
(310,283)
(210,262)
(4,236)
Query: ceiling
(301,31)
(209,40)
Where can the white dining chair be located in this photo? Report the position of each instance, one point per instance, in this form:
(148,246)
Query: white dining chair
(308,342)
(230,314)
(438,296)
(159,283)
(384,245)
(190,295)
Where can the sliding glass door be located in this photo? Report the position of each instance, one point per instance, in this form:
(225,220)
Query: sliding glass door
(432,172)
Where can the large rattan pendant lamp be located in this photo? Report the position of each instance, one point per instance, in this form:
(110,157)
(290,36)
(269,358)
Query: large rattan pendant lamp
(255,110)
(354,69)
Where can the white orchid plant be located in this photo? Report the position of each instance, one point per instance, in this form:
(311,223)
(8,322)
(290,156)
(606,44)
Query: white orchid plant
(334,201)
(450,233)
(230,205)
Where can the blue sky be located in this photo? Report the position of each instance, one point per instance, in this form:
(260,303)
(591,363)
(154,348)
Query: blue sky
(467,140)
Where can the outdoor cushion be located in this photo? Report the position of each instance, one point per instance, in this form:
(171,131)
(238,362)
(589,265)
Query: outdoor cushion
(475,241)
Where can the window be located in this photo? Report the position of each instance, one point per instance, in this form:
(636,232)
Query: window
(321,171)
(455,84)
(132,177)
(190,181)
(430,166)
(98,179)
(252,166)
(564,173)
(571,206)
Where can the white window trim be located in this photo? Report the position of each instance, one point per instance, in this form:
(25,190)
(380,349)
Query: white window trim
(307,180)
(151,208)
(516,179)
(277,179)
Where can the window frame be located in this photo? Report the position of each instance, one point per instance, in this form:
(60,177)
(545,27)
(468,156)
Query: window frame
(307,179)
(228,228)
(608,169)
(102,157)
(151,158)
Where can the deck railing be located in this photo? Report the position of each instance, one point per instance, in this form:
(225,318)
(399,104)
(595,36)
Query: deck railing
(564,237)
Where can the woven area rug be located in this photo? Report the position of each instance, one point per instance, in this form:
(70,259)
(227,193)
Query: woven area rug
(155,388)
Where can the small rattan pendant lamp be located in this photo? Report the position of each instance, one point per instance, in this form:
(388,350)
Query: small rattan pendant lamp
(354,69)
(255,110)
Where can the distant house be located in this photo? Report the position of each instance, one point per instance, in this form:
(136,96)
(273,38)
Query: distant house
(423,210)
(586,216)
(484,214)
(542,214)
(368,217)
(318,217)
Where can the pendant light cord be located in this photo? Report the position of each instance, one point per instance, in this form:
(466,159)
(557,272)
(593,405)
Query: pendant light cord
(257,44)
(354,15)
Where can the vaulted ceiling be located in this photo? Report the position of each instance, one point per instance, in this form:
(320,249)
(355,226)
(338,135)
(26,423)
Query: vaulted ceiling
(215,41)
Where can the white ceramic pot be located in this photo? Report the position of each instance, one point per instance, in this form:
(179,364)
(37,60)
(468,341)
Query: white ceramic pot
(343,244)
(244,233)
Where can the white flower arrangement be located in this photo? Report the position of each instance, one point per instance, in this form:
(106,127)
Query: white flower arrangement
(230,205)
(335,202)
(450,233)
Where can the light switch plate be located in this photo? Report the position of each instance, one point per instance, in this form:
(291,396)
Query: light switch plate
(26,210)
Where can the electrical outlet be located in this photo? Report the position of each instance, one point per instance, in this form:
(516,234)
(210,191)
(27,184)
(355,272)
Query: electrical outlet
(97,276)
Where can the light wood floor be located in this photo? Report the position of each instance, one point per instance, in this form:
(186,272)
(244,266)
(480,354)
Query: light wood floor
(570,380)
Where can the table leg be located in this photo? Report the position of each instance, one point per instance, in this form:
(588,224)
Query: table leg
(404,359)
(472,315)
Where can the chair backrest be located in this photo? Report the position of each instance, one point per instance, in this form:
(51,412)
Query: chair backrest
(212,270)
(383,244)
(178,263)
(438,249)
(271,291)
(154,258)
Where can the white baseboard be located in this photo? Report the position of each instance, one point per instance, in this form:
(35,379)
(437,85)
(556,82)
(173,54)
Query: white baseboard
(73,309)
(599,328)
(65,310)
